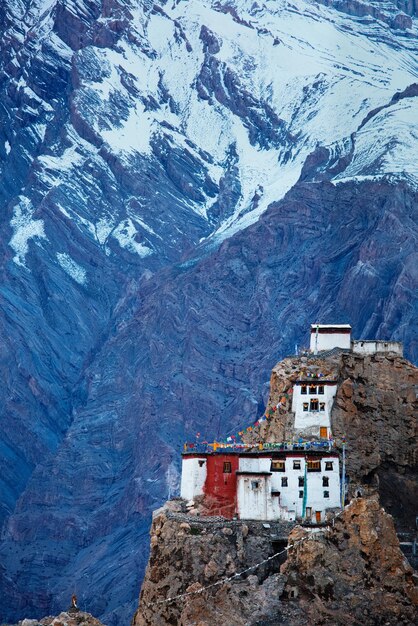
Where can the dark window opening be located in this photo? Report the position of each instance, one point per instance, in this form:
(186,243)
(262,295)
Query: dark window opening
(300,494)
(277,466)
(326,494)
(325,481)
(314,404)
(255,484)
(313,466)
(321,390)
(312,390)
(284,482)
(201,463)
(301,481)
(305,406)
(296,464)
(328,466)
(304,390)
(227,467)
(322,406)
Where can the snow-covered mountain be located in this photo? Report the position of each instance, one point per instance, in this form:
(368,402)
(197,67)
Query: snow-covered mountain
(184,187)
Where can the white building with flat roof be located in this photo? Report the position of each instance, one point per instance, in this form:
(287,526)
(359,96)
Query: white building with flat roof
(329,336)
(312,402)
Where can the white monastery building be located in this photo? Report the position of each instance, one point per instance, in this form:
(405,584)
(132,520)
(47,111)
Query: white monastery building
(270,481)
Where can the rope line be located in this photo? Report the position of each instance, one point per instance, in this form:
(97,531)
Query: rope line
(238,574)
(227,579)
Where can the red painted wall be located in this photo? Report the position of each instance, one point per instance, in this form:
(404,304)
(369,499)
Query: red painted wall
(221,489)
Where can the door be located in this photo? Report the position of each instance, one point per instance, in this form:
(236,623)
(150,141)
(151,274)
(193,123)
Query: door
(323,432)
(318,517)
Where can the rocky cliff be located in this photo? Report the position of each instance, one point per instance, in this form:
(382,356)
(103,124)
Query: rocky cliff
(376,410)
(65,618)
(351,573)
(205,571)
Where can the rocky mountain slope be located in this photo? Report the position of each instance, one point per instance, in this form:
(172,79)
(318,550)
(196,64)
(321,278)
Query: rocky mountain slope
(151,262)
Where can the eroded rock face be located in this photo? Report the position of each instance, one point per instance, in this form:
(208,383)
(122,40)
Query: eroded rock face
(189,554)
(376,408)
(353,574)
(66,618)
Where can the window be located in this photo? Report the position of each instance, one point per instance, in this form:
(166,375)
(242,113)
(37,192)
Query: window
(325,481)
(277,466)
(328,466)
(321,390)
(308,512)
(284,482)
(313,466)
(326,494)
(201,463)
(305,406)
(304,390)
(312,390)
(301,481)
(296,464)
(300,494)
(255,484)
(322,406)
(314,404)
(227,467)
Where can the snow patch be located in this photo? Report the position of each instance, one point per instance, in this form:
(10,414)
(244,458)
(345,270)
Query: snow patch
(7,146)
(125,233)
(72,268)
(24,228)
(134,134)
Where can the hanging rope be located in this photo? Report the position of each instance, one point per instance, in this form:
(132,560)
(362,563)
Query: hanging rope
(227,579)
(186,594)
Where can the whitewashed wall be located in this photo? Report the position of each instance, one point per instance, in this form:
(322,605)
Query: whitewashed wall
(309,419)
(193,477)
(327,341)
(289,496)
(371,347)
(258,503)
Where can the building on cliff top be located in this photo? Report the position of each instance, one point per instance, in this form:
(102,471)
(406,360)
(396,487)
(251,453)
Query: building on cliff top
(270,481)
(330,336)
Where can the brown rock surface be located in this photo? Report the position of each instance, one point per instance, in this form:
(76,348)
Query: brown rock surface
(70,618)
(376,408)
(210,550)
(355,573)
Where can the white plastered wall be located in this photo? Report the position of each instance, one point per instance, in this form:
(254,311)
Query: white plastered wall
(327,341)
(259,503)
(193,477)
(289,496)
(310,419)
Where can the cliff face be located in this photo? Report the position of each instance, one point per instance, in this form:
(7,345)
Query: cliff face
(355,573)
(351,572)
(375,408)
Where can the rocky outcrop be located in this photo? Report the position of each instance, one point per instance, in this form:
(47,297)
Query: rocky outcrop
(352,572)
(66,618)
(205,570)
(375,410)
(191,554)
